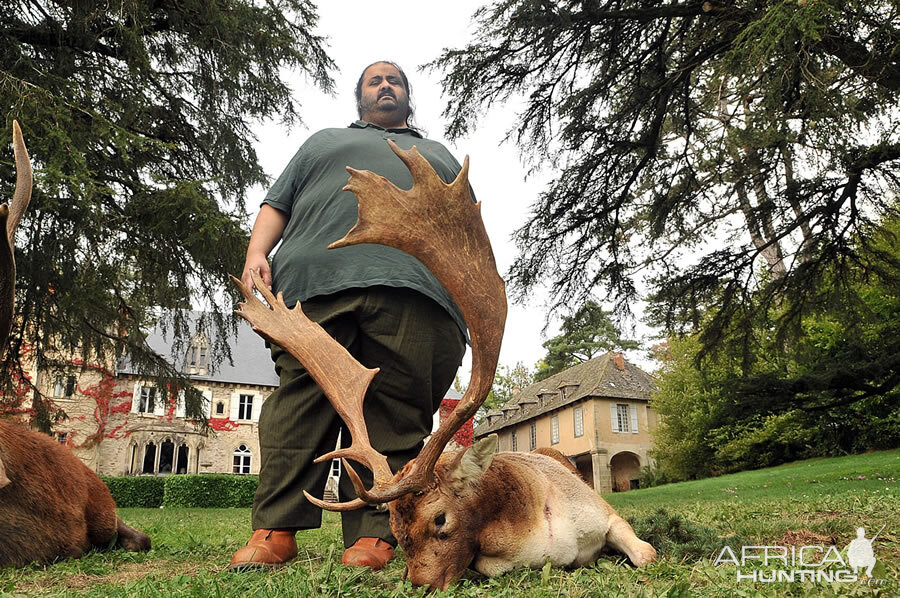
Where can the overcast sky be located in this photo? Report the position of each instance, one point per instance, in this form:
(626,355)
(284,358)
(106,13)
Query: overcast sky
(411,34)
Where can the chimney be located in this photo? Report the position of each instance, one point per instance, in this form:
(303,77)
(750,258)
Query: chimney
(619,361)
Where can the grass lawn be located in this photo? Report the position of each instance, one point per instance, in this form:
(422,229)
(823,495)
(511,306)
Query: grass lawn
(815,502)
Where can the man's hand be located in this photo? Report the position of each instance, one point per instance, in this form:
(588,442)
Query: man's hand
(259,263)
(267,231)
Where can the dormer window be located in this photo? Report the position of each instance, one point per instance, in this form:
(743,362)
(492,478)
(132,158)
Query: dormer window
(198,354)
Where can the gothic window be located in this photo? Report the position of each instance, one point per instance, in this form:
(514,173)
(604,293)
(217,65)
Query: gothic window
(166,457)
(149,458)
(220,408)
(181,464)
(242,457)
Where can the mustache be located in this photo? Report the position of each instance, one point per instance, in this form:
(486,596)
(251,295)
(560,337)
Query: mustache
(387,92)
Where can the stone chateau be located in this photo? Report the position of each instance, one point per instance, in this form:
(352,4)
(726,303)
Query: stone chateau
(120,424)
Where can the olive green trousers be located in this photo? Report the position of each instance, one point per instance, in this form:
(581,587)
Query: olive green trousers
(418,348)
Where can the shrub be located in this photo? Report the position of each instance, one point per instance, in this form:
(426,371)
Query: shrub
(210,490)
(653,476)
(136,491)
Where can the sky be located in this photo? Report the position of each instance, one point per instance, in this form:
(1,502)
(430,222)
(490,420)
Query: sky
(412,34)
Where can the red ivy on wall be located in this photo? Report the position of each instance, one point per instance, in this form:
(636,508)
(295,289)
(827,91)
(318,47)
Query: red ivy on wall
(466,434)
(106,405)
(222,424)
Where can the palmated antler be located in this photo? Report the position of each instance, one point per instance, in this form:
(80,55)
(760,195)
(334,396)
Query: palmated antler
(440,225)
(9,217)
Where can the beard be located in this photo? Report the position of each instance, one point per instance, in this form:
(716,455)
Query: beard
(400,107)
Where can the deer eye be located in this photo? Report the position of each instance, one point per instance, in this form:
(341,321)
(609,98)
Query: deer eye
(440,520)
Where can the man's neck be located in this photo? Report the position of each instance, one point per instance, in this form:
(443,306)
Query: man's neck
(384,124)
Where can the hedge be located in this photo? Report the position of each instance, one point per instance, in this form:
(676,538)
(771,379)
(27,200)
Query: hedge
(136,491)
(210,490)
(204,490)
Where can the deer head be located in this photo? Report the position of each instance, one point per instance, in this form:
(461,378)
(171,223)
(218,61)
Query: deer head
(441,225)
(10,214)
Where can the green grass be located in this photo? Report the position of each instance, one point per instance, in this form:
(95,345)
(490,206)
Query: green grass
(820,501)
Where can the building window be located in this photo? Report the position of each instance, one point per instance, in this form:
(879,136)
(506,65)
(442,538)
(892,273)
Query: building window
(198,354)
(63,386)
(622,418)
(242,457)
(166,457)
(515,444)
(245,407)
(149,458)
(335,468)
(181,464)
(533,439)
(147,400)
(220,408)
(578,413)
(554,429)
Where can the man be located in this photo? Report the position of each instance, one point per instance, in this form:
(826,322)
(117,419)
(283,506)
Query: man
(383,305)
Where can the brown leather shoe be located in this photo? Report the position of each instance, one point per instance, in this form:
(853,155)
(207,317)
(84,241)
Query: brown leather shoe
(266,548)
(369,552)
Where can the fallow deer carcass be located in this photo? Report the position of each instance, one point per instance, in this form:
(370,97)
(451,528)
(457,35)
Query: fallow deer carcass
(51,505)
(471,507)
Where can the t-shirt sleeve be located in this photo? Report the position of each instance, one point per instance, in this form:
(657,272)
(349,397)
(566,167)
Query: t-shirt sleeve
(282,194)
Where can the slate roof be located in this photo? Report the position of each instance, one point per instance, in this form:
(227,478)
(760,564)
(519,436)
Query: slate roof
(598,377)
(251,361)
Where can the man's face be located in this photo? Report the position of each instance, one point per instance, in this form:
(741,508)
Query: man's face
(384,100)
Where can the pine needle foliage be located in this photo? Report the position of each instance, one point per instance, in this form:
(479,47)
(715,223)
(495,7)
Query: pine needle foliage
(716,151)
(137,115)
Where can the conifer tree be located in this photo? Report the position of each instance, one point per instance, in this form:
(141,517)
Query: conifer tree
(724,151)
(137,116)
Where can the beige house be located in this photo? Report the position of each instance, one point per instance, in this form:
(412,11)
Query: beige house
(119,423)
(597,413)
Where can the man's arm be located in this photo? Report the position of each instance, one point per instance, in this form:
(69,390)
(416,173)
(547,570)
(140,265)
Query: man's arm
(267,231)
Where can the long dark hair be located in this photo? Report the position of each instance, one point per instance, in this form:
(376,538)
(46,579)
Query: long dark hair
(409,113)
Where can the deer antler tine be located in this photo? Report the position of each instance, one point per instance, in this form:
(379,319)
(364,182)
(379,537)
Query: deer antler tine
(352,505)
(441,226)
(343,380)
(10,216)
(24,178)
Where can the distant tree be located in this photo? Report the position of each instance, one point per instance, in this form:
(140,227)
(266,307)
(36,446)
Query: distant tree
(834,389)
(137,116)
(507,382)
(584,335)
(699,142)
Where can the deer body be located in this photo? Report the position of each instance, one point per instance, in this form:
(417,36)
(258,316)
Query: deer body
(498,512)
(51,505)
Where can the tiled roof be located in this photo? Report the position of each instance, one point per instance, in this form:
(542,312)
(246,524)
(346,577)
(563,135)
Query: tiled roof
(252,364)
(598,377)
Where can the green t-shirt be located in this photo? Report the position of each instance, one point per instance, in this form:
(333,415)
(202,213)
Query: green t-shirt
(309,192)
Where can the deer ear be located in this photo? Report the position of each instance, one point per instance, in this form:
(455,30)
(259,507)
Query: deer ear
(472,464)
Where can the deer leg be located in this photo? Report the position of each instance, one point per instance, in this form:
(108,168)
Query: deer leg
(131,539)
(621,537)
